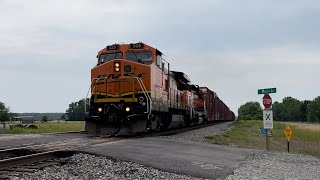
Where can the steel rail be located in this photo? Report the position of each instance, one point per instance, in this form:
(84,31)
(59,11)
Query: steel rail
(27,159)
(12,150)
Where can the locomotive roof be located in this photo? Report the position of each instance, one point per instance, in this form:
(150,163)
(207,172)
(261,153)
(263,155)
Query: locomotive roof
(182,76)
(139,45)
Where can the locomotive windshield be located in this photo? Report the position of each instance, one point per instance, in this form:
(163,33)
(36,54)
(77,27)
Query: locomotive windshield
(107,57)
(142,57)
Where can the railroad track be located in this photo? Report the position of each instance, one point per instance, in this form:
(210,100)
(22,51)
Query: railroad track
(30,158)
(13,137)
(28,164)
(176,131)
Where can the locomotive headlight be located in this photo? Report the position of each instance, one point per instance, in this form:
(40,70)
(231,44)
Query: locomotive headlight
(127,109)
(99,109)
(117,66)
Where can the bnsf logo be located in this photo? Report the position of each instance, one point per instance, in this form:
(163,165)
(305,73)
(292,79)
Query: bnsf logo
(116,76)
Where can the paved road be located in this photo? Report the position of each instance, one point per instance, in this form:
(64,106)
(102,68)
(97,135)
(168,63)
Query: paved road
(193,158)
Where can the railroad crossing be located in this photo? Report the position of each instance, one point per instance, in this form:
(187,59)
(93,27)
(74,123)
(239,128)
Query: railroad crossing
(267,113)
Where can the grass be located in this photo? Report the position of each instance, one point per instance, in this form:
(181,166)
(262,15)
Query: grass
(246,134)
(48,127)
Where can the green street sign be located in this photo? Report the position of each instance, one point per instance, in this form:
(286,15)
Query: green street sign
(267,91)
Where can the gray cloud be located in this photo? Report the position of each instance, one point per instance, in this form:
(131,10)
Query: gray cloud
(47,48)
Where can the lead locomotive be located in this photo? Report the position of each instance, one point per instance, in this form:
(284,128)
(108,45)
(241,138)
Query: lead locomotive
(133,90)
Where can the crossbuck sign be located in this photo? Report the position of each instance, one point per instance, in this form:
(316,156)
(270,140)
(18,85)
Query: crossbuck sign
(267,119)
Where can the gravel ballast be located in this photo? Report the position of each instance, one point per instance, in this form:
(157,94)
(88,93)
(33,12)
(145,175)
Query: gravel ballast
(198,135)
(84,166)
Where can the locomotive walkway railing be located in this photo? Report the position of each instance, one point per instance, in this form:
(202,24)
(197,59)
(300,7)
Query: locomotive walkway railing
(118,98)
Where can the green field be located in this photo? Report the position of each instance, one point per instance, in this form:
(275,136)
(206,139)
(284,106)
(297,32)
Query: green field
(48,127)
(246,134)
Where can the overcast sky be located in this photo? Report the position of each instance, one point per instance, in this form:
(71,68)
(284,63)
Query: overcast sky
(47,48)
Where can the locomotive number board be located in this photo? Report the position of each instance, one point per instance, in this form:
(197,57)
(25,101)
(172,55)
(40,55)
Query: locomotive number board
(112,47)
(137,46)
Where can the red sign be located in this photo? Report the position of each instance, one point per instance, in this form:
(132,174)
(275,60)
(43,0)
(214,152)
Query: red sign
(267,101)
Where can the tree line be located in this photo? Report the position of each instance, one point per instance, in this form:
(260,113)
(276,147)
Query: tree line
(6,115)
(40,116)
(75,112)
(290,109)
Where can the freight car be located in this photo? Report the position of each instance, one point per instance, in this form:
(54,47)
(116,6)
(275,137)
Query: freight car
(134,90)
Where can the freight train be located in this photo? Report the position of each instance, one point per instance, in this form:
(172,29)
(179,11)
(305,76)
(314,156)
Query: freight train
(134,90)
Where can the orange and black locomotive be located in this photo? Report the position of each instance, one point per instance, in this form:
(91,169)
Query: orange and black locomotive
(134,90)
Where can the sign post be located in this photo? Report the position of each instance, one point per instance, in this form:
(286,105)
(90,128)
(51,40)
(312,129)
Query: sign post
(267,112)
(268,124)
(288,133)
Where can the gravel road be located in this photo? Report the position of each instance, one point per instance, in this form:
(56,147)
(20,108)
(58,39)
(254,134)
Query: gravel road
(266,165)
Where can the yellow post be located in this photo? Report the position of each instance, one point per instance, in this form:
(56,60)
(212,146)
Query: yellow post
(288,134)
